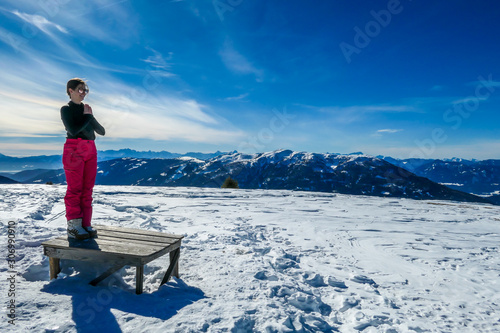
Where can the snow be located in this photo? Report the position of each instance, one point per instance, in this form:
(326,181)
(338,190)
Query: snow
(262,261)
(190,159)
(138,164)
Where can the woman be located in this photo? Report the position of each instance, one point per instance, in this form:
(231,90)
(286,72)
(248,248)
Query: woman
(79,159)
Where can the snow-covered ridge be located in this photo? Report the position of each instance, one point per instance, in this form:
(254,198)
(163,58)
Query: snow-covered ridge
(280,169)
(471,176)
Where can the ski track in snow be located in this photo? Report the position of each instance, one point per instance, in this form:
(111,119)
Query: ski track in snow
(263,261)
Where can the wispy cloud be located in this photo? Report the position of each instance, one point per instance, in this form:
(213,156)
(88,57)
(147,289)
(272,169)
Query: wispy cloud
(88,19)
(379,108)
(163,118)
(467,100)
(159,64)
(40,22)
(29,149)
(237,63)
(30,108)
(486,81)
(363,108)
(356,113)
(381,132)
(13,40)
(388,130)
(236,98)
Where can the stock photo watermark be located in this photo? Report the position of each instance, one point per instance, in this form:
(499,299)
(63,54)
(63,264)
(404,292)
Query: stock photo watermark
(454,116)
(48,8)
(363,36)
(257,143)
(151,81)
(94,305)
(11,272)
(266,135)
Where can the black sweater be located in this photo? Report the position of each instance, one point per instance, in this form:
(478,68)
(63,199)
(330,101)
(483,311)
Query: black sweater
(79,125)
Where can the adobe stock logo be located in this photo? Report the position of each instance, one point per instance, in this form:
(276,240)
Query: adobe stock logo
(372,29)
(266,135)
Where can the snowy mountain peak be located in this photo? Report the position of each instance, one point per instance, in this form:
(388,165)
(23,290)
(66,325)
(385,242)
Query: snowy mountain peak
(189,158)
(279,169)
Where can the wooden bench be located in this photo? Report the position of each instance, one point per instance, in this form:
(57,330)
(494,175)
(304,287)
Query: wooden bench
(119,247)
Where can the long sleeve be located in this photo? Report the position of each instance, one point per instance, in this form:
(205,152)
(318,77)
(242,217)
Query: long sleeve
(79,125)
(71,123)
(98,127)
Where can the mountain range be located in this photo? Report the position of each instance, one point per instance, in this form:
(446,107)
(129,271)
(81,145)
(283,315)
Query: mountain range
(10,165)
(478,177)
(286,169)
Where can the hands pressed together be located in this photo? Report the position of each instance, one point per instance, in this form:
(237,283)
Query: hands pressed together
(87,109)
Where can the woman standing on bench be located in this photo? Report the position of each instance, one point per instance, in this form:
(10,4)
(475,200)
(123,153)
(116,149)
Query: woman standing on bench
(79,159)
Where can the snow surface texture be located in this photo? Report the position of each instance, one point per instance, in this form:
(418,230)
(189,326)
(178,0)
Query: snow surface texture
(263,261)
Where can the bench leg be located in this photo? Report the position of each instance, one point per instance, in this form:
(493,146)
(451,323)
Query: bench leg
(104,275)
(55,267)
(175,271)
(139,278)
(173,267)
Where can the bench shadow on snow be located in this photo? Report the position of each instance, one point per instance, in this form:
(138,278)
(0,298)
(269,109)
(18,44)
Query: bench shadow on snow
(92,306)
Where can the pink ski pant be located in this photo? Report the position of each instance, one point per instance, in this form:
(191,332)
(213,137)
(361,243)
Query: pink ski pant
(80,167)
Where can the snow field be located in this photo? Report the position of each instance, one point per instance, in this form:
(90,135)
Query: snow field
(264,261)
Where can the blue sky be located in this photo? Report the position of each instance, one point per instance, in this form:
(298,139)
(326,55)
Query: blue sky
(398,78)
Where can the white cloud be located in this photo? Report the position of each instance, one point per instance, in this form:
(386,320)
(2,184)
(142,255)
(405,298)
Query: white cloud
(379,108)
(467,100)
(29,116)
(158,60)
(181,120)
(160,66)
(356,109)
(389,130)
(30,149)
(236,98)
(40,22)
(30,108)
(237,63)
(486,81)
(356,113)
(15,41)
(379,133)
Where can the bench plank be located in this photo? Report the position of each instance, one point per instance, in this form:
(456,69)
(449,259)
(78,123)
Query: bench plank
(106,246)
(126,236)
(137,231)
(119,247)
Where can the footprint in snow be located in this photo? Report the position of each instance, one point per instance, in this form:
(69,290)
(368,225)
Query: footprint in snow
(336,283)
(281,291)
(285,262)
(307,323)
(263,275)
(315,281)
(364,280)
(374,322)
(309,303)
(38,272)
(349,303)
(243,325)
